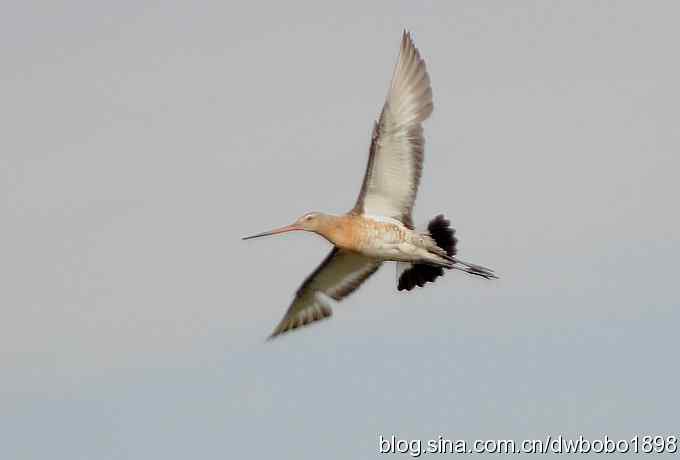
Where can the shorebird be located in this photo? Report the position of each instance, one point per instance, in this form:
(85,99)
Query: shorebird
(379,228)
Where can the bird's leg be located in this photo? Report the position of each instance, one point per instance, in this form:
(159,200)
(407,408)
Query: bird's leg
(474,269)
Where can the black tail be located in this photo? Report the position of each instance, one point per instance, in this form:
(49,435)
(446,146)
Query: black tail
(441,232)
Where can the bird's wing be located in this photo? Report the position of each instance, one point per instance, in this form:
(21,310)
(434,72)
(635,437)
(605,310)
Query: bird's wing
(340,274)
(396,155)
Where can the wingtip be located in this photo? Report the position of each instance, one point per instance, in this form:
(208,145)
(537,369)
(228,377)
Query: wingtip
(406,37)
(280,329)
(278,332)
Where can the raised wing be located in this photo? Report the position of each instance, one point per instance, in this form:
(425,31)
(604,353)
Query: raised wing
(340,274)
(396,155)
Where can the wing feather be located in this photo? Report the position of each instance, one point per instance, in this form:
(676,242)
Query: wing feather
(397,145)
(340,274)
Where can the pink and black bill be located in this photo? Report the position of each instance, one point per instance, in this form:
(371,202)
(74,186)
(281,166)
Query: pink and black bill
(287,228)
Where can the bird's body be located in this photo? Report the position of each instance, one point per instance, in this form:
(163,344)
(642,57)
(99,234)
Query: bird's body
(382,238)
(379,227)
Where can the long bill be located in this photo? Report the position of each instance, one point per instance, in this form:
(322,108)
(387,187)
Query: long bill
(287,228)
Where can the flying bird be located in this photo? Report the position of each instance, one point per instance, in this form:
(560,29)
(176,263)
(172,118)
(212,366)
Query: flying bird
(380,228)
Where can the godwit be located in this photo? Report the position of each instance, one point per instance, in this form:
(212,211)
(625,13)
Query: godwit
(379,228)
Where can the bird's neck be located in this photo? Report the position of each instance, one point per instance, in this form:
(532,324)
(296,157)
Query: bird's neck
(339,230)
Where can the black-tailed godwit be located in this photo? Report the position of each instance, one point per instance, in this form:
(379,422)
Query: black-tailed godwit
(379,228)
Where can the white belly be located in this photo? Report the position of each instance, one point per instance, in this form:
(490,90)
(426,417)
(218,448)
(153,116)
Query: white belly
(395,252)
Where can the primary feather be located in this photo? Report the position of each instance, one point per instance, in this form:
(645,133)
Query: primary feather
(396,154)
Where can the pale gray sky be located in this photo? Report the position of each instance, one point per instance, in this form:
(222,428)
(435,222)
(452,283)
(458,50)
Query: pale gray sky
(142,139)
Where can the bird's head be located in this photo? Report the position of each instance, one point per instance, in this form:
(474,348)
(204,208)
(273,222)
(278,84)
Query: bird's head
(310,222)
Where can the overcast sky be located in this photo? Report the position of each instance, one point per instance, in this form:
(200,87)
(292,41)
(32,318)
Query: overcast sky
(141,140)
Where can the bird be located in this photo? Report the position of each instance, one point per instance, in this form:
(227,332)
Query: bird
(379,228)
